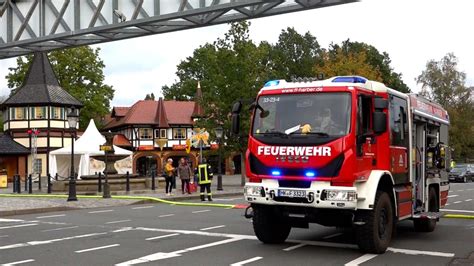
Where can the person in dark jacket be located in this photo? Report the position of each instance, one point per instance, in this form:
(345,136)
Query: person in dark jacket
(184,173)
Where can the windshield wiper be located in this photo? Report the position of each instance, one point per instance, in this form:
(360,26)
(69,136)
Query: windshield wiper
(321,134)
(274,133)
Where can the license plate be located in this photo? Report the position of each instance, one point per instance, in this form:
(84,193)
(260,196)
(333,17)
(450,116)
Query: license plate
(292,193)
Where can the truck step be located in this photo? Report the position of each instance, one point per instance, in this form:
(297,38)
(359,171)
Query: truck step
(427,215)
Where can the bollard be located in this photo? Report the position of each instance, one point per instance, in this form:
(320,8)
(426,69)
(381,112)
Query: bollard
(39,182)
(18,184)
(99,182)
(56,176)
(26,183)
(30,184)
(49,183)
(14,184)
(153,180)
(127,187)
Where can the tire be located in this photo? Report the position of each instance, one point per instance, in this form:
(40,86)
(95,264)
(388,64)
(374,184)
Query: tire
(375,235)
(428,225)
(268,226)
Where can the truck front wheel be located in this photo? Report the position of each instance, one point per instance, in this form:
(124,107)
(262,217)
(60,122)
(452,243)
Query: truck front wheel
(268,226)
(375,235)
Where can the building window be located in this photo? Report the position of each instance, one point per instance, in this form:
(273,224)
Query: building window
(38,166)
(18,113)
(179,133)
(38,112)
(163,134)
(145,133)
(57,113)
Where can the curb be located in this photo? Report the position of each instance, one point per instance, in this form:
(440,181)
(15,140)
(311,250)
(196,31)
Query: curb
(143,200)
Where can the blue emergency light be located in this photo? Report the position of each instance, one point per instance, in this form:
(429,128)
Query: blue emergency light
(272,83)
(310,174)
(352,79)
(276,172)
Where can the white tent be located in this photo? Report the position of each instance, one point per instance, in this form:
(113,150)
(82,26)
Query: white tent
(84,147)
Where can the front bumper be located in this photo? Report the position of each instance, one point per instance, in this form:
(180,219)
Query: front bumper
(318,195)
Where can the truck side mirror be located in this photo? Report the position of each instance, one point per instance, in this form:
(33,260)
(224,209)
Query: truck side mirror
(380,103)
(380,122)
(235,127)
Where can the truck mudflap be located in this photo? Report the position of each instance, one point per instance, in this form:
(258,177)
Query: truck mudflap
(318,195)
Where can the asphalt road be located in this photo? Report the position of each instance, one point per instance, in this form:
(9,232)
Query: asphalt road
(176,235)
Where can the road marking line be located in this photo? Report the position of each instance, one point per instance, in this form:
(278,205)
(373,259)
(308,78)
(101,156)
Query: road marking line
(166,215)
(447,204)
(143,207)
(158,237)
(420,252)
(231,199)
(456,202)
(461,190)
(324,244)
(2,220)
(201,211)
(452,196)
(294,247)
(213,227)
(4,236)
(43,242)
(246,261)
(51,216)
(101,211)
(18,225)
(97,248)
(162,255)
(62,228)
(116,222)
(333,235)
(361,259)
(18,262)
(451,210)
(468,200)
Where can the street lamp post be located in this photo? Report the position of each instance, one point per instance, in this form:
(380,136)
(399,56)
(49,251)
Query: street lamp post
(72,118)
(219,132)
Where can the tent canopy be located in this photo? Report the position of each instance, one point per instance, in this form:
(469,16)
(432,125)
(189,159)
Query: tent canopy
(84,147)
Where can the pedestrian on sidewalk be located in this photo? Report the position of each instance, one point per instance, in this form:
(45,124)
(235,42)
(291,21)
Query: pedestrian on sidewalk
(204,172)
(169,173)
(184,173)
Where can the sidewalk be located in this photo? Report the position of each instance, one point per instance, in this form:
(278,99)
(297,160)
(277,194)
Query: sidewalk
(28,205)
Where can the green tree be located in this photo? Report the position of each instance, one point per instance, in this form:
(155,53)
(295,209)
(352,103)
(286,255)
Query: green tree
(442,82)
(294,55)
(339,63)
(80,72)
(150,97)
(379,61)
(231,68)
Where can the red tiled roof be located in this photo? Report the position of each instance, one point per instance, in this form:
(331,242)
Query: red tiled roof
(120,111)
(149,112)
(179,112)
(121,140)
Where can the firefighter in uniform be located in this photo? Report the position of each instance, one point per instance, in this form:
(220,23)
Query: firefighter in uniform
(204,173)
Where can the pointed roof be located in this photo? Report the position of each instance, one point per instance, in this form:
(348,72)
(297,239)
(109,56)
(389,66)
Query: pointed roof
(41,87)
(198,112)
(160,117)
(10,147)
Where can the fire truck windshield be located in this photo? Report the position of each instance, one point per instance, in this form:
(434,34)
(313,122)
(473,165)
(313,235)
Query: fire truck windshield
(323,115)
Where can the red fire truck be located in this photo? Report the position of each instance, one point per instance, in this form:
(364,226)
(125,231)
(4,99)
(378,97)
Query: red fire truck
(345,152)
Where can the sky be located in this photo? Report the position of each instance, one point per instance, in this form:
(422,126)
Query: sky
(411,32)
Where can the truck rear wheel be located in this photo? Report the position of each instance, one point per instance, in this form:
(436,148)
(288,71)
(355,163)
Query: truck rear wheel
(268,226)
(375,235)
(428,225)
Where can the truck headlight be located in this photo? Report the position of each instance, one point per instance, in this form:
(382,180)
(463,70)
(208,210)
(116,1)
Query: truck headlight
(256,191)
(339,195)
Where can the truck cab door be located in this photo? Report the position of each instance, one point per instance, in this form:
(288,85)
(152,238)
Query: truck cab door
(366,151)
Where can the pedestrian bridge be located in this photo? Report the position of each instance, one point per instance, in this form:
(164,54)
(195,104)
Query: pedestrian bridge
(27,26)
